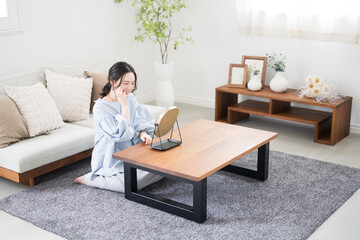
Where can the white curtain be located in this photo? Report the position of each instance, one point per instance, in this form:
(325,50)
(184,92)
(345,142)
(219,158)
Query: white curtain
(324,20)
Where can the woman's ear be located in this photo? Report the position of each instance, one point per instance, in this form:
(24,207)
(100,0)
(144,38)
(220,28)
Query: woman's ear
(112,82)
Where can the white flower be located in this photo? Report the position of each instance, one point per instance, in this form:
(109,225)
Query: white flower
(315,91)
(317,80)
(309,79)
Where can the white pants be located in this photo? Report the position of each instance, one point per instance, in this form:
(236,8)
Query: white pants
(116,182)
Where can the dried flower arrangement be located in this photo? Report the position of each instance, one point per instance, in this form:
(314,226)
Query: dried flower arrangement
(319,90)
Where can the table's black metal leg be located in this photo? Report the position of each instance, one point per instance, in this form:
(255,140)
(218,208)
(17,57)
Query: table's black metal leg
(200,200)
(262,165)
(196,213)
(263,162)
(130,178)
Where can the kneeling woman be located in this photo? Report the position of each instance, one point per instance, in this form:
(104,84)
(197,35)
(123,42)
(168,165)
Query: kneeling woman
(120,122)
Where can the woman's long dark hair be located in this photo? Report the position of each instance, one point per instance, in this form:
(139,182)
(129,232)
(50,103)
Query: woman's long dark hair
(116,73)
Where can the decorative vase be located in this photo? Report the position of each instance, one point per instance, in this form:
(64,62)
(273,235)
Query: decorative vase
(164,88)
(255,83)
(279,83)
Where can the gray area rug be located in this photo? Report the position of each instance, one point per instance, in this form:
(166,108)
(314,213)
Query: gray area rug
(300,194)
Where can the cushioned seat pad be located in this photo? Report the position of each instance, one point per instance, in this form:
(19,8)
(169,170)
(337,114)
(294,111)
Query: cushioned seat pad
(35,152)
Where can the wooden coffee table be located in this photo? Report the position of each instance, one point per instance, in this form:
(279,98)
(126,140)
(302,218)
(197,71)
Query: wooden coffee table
(207,147)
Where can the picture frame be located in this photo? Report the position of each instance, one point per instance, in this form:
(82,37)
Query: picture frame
(259,62)
(237,75)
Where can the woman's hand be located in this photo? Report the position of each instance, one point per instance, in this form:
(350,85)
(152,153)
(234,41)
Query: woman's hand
(145,138)
(123,100)
(121,96)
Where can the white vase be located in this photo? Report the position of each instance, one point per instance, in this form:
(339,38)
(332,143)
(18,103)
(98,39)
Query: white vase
(255,83)
(164,88)
(279,83)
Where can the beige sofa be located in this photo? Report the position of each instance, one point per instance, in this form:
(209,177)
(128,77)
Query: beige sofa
(28,159)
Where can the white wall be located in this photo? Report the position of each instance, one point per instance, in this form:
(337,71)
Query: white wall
(72,32)
(87,31)
(204,66)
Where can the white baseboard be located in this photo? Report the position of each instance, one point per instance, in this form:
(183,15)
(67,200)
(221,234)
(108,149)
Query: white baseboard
(355,128)
(195,101)
(145,98)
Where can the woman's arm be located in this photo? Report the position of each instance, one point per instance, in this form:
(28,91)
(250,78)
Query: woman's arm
(112,124)
(117,128)
(143,120)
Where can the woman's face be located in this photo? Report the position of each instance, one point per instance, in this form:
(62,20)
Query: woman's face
(128,83)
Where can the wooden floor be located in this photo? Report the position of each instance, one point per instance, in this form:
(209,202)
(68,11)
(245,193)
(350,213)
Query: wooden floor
(294,138)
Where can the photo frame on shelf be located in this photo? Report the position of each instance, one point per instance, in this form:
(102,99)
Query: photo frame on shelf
(258,63)
(237,75)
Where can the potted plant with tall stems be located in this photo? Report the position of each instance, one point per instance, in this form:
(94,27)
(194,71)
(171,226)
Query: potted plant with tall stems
(154,19)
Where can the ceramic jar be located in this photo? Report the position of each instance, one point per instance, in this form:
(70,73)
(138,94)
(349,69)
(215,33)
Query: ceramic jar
(279,83)
(255,83)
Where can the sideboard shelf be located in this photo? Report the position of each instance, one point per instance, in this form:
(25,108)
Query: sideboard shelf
(330,127)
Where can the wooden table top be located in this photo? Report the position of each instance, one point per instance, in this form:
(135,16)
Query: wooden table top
(207,147)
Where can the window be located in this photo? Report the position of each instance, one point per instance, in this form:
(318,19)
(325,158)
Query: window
(324,20)
(9,17)
(3,9)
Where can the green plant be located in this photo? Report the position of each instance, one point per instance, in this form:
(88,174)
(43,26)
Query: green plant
(154,20)
(253,70)
(276,62)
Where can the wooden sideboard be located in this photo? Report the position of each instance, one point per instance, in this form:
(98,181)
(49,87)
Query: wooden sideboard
(330,127)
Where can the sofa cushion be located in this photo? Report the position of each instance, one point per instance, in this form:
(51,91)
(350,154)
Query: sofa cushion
(71,94)
(12,125)
(21,79)
(37,107)
(99,81)
(35,152)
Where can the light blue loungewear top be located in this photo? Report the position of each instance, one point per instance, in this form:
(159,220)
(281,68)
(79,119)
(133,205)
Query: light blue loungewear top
(113,133)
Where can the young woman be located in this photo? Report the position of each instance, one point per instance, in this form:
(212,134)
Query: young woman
(120,122)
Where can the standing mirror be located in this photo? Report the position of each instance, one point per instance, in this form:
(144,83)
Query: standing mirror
(163,126)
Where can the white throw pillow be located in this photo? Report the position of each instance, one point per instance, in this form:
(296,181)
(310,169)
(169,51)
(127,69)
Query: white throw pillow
(37,107)
(72,95)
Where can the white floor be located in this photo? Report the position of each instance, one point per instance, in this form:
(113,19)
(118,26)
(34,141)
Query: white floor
(293,138)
